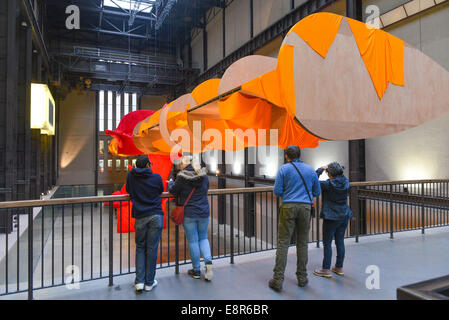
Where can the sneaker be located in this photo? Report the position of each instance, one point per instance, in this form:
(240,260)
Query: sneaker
(274,285)
(149,288)
(302,283)
(209,272)
(139,287)
(325,273)
(194,274)
(338,271)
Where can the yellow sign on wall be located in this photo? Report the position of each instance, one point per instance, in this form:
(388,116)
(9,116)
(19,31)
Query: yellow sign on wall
(42,109)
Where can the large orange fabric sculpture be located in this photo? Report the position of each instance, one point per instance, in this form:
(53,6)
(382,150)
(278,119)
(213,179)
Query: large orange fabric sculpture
(319,88)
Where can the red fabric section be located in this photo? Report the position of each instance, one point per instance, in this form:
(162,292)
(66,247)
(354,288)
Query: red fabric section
(125,223)
(124,132)
(160,164)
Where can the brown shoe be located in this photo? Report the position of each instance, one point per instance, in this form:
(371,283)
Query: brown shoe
(325,273)
(274,285)
(338,271)
(302,283)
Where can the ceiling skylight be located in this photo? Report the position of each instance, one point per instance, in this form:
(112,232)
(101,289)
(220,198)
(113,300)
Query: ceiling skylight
(131,5)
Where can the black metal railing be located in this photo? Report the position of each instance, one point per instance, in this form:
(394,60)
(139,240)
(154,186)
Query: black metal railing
(66,241)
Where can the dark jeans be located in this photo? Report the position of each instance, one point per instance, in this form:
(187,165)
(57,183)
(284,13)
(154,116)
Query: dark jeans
(334,229)
(293,216)
(148,234)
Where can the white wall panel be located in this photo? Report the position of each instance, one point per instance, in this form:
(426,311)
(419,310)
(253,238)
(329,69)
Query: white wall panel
(77,139)
(237,25)
(215,40)
(267,12)
(197,52)
(325,153)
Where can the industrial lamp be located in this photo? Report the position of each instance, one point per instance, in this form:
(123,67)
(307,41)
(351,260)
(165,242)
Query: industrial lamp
(42,109)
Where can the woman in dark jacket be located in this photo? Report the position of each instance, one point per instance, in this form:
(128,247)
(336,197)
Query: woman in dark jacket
(196,212)
(336,214)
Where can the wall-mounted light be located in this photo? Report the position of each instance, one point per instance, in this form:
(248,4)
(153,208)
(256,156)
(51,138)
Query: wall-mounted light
(236,168)
(42,109)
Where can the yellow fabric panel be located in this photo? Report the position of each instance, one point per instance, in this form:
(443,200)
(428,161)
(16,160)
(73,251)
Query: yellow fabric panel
(113,147)
(162,146)
(206,91)
(266,86)
(382,53)
(242,111)
(318,31)
(293,133)
(287,78)
(154,119)
(177,119)
(218,125)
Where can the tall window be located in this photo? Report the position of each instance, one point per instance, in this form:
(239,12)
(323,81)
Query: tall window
(126,104)
(110,110)
(117,110)
(101,111)
(134,101)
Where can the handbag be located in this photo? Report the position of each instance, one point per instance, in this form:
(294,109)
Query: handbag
(312,210)
(177,213)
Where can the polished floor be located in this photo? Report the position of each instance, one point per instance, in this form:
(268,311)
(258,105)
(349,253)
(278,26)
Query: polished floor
(408,258)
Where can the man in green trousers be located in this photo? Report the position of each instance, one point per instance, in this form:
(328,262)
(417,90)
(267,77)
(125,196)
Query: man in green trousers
(296,183)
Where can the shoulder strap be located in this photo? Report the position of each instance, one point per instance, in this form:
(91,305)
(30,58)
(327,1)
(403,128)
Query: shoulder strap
(188,198)
(303,181)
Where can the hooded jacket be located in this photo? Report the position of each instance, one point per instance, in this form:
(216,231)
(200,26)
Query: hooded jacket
(335,196)
(186,180)
(145,189)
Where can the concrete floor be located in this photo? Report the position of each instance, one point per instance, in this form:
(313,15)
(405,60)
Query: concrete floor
(409,258)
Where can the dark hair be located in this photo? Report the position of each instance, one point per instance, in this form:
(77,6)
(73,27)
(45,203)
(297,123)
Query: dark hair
(293,152)
(335,169)
(142,161)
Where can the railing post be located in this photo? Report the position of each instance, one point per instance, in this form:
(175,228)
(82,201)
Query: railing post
(422,209)
(111,244)
(317,218)
(391,211)
(232,227)
(176,238)
(30,253)
(176,249)
(357,213)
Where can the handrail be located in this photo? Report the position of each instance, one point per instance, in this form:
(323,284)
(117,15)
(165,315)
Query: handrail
(40,203)
(63,201)
(382,183)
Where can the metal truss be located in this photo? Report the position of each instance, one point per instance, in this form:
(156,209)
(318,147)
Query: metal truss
(119,66)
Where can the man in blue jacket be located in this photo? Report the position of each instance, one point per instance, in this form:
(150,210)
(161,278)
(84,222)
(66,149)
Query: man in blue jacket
(145,189)
(297,198)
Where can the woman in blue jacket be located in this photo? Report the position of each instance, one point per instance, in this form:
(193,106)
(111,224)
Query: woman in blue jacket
(336,214)
(196,212)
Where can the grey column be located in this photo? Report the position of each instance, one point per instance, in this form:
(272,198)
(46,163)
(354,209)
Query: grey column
(357,169)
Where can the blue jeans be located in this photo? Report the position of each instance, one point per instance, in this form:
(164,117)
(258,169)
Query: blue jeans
(148,234)
(196,233)
(334,229)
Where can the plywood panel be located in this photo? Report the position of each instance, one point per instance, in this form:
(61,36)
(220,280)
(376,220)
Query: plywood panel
(353,110)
